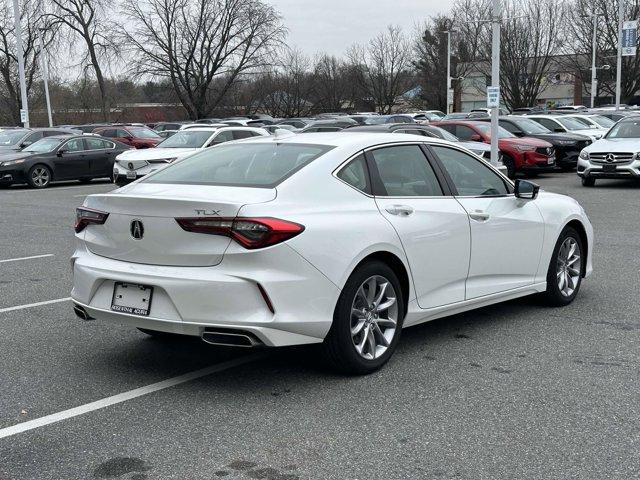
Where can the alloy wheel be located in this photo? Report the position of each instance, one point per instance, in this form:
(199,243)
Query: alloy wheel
(374,317)
(568,266)
(40,177)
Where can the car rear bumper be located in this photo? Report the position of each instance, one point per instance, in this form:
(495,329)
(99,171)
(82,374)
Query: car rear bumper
(188,300)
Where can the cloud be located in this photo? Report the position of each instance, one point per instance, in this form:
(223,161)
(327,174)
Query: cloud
(333,25)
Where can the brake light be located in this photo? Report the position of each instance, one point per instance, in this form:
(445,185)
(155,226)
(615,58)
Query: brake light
(87,216)
(251,233)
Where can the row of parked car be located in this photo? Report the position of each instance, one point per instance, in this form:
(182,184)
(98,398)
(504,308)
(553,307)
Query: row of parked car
(528,144)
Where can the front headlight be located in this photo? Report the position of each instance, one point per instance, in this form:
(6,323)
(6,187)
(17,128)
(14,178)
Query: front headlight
(638,156)
(11,162)
(584,155)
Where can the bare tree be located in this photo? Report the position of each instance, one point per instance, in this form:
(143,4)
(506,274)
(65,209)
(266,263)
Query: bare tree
(330,83)
(201,46)
(384,66)
(579,48)
(89,21)
(30,17)
(284,90)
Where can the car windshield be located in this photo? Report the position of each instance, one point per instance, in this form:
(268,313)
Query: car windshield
(625,129)
(141,132)
(11,137)
(530,127)
(604,122)
(443,134)
(571,123)
(44,145)
(375,120)
(186,139)
(485,128)
(262,165)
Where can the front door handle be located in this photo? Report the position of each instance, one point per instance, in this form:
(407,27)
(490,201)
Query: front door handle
(479,216)
(400,210)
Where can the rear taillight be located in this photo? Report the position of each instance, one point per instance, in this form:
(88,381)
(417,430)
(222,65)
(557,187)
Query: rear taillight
(249,232)
(86,216)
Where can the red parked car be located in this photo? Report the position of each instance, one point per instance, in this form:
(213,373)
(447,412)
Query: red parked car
(527,155)
(138,137)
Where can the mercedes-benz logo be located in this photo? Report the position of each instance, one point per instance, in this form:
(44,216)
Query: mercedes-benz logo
(610,158)
(137,229)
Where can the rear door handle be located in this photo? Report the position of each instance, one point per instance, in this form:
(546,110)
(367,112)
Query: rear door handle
(479,216)
(400,210)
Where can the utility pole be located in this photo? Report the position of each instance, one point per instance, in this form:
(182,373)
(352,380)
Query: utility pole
(619,65)
(594,47)
(495,77)
(45,76)
(448,32)
(24,112)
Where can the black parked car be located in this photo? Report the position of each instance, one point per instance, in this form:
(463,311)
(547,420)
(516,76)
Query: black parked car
(567,145)
(16,139)
(61,158)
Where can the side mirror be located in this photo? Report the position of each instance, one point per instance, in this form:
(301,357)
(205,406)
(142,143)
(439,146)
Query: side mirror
(525,189)
(60,152)
(519,133)
(558,130)
(475,138)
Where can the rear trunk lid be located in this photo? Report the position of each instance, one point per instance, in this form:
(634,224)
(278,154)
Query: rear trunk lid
(141,227)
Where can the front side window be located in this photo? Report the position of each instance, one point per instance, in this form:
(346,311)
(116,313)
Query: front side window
(355,174)
(141,132)
(74,145)
(222,137)
(471,177)
(464,133)
(262,165)
(405,172)
(97,144)
(240,134)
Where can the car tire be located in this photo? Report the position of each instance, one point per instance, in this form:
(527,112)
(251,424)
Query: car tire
(39,176)
(510,164)
(378,330)
(120,182)
(566,269)
(588,181)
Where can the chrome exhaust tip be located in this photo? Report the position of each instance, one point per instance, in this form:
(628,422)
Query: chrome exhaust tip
(230,338)
(81,313)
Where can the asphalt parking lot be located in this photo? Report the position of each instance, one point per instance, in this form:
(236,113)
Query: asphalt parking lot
(513,391)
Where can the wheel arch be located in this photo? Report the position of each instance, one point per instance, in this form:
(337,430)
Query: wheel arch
(579,227)
(398,267)
(44,163)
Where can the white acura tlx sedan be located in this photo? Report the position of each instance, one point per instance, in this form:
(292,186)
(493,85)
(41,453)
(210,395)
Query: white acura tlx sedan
(334,238)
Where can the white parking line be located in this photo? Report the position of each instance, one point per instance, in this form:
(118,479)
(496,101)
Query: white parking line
(123,397)
(37,304)
(26,258)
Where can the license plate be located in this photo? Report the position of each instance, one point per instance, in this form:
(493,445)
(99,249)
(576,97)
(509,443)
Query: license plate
(131,175)
(608,168)
(131,298)
(551,160)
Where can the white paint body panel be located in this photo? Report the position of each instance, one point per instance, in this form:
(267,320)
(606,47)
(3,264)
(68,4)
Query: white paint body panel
(200,282)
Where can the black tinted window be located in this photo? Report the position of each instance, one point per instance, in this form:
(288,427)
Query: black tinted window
(355,174)
(241,164)
(405,172)
(240,134)
(470,176)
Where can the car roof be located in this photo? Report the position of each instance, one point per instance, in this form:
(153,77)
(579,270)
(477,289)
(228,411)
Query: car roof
(346,139)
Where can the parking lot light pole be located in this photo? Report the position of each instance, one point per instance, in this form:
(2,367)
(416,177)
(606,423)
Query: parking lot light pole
(448,32)
(20,55)
(619,65)
(495,78)
(594,47)
(45,76)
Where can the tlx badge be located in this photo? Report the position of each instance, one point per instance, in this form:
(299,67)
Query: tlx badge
(208,212)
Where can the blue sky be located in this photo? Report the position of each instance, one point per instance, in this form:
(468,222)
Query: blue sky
(333,25)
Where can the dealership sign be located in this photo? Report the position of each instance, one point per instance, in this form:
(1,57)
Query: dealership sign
(629,38)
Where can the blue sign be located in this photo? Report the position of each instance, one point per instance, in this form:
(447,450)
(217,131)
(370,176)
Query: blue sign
(629,38)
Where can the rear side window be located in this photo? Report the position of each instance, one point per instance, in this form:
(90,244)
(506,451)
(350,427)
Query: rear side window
(240,134)
(356,175)
(262,165)
(405,172)
(108,133)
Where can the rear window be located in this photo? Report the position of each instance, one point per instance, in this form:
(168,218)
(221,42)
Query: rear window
(262,165)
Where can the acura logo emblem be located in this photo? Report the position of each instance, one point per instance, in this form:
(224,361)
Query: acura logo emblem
(610,158)
(137,229)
